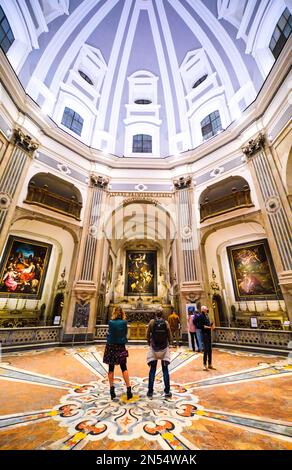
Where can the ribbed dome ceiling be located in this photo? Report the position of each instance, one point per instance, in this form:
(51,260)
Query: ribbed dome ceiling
(184,58)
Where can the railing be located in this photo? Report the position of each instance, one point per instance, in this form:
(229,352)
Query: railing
(273,339)
(45,198)
(136,331)
(235,200)
(101,332)
(30,335)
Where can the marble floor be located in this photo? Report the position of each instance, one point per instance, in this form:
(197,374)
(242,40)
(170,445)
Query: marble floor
(59,399)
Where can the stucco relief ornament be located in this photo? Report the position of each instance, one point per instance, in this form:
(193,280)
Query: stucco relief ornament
(93,230)
(192,297)
(254,145)
(214,284)
(64,169)
(5,201)
(141,187)
(273,204)
(186,232)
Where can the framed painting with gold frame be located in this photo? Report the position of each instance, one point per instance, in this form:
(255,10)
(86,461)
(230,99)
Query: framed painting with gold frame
(23,268)
(141,273)
(253,272)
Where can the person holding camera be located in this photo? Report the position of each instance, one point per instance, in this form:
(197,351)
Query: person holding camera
(207,327)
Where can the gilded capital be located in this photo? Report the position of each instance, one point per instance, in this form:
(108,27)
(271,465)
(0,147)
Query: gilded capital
(183,182)
(24,141)
(98,181)
(254,145)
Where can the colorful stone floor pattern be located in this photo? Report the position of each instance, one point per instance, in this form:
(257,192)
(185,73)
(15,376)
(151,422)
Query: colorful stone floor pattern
(59,399)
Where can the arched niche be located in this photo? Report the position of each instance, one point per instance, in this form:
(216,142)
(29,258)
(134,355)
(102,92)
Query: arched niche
(225,196)
(49,191)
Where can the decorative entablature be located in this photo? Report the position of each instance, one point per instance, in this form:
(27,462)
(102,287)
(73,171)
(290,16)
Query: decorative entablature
(138,200)
(138,197)
(98,181)
(24,141)
(254,145)
(184,182)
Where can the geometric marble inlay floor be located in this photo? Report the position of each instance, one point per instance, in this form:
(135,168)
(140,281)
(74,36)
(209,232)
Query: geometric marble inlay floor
(59,399)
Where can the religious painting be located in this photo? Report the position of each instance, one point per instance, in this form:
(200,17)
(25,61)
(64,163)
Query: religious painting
(23,268)
(253,273)
(141,273)
(81,314)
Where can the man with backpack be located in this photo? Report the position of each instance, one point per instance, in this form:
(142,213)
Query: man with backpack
(159,338)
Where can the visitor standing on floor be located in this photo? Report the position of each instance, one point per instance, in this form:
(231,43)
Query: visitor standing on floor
(192,330)
(159,338)
(174,323)
(115,351)
(207,328)
(198,320)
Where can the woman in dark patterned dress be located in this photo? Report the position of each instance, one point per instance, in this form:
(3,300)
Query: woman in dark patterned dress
(115,351)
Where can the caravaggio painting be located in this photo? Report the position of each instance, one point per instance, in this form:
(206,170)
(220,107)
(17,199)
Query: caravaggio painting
(23,268)
(141,273)
(253,272)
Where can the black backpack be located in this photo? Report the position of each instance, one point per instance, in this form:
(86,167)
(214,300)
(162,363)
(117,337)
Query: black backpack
(159,334)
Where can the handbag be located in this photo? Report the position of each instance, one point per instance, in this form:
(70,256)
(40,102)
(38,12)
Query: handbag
(123,356)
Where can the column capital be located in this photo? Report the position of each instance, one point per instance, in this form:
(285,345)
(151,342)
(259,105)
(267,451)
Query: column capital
(184,182)
(24,141)
(96,181)
(254,145)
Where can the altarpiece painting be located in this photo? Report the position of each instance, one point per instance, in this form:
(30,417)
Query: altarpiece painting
(252,270)
(141,268)
(23,268)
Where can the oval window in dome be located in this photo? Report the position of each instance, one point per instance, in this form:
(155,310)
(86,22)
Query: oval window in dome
(85,77)
(201,79)
(143,101)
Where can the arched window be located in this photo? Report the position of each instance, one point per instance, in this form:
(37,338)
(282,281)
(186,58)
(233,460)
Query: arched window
(142,143)
(72,120)
(201,79)
(85,77)
(6,34)
(143,101)
(210,125)
(281,33)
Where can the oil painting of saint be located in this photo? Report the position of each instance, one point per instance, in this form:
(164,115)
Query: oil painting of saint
(23,268)
(253,272)
(140,273)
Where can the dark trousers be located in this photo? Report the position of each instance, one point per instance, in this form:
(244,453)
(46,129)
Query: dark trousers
(152,372)
(123,366)
(207,349)
(193,338)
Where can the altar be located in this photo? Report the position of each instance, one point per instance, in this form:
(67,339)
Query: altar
(140,315)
